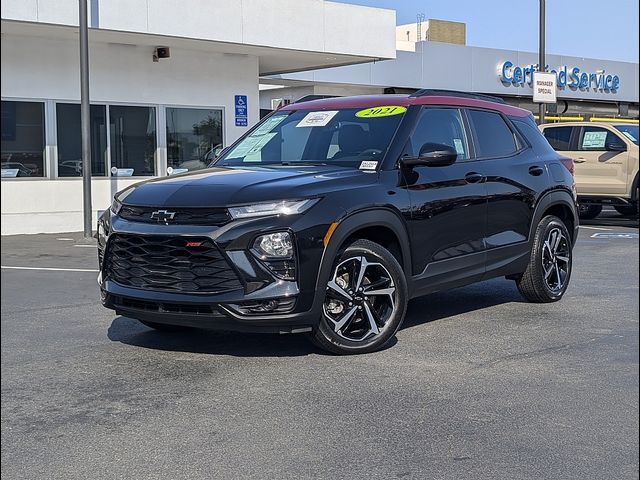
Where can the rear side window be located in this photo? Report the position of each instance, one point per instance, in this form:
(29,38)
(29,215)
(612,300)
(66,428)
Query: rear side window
(528,128)
(559,137)
(494,138)
(596,139)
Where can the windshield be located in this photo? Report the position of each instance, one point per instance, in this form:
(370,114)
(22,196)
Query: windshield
(629,131)
(346,138)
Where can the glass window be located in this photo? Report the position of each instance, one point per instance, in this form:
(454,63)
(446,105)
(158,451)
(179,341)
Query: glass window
(494,138)
(344,137)
(133,140)
(443,126)
(70,143)
(597,138)
(528,128)
(192,135)
(559,137)
(22,149)
(629,131)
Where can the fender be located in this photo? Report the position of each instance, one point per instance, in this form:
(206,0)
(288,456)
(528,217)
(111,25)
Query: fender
(634,189)
(548,200)
(376,217)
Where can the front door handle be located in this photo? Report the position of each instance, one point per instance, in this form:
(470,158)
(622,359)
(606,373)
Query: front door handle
(536,171)
(474,177)
(579,160)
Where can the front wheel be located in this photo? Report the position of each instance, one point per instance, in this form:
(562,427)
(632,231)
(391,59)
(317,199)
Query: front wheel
(547,275)
(365,303)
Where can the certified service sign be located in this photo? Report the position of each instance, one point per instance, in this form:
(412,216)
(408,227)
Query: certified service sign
(544,87)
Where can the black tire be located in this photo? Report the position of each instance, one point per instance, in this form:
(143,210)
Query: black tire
(163,327)
(537,285)
(627,210)
(588,211)
(368,311)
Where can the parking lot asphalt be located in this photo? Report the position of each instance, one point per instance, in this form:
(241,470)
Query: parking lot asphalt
(478,384)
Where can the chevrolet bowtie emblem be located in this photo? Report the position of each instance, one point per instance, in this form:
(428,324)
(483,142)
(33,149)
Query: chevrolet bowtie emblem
(162,216)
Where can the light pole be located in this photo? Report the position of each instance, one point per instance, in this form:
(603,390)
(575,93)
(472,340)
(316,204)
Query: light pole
(541,60)
(85,119)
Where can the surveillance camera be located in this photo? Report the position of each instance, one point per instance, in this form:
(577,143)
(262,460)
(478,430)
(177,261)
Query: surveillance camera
(161,52)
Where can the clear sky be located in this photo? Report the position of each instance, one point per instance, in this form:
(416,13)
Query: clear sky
(602,29)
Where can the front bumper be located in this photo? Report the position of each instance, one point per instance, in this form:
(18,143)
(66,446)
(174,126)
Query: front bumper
(225,310)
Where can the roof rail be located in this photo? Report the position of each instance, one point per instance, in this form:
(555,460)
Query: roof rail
(430,92)
(308,98)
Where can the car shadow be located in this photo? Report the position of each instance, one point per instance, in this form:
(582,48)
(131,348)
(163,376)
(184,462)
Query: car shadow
(611,218)
(421,311)
(131,332)
(472,298)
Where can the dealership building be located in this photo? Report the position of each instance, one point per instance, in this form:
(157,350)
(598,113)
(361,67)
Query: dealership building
(434,54)
(167,87)
(153,110)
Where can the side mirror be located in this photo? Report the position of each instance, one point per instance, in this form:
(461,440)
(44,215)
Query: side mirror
(431,155)
(615,146)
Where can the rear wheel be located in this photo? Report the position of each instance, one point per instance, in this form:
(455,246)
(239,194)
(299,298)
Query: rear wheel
(588,211)
(366,300)
(547,275)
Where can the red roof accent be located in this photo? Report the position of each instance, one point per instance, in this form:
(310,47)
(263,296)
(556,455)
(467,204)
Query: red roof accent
(368,101)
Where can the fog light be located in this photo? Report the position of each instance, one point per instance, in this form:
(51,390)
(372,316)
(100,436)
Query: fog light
(274,245)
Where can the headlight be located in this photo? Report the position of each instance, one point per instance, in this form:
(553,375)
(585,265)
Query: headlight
(283,207)
(274,245)
(116,206)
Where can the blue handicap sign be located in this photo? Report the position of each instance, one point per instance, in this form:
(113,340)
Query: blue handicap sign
(241,111)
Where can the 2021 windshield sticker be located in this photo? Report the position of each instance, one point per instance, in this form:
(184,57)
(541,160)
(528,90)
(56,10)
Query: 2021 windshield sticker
(317,119)
(383,111)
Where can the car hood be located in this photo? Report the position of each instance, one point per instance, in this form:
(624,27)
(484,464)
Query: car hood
(222,186)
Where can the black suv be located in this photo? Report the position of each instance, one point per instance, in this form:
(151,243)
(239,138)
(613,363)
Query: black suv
(330,214)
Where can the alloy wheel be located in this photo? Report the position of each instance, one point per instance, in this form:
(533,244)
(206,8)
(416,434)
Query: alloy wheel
(556,260)
(361,299)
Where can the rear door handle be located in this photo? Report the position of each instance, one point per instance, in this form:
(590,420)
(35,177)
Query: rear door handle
(536,171)
(474,177)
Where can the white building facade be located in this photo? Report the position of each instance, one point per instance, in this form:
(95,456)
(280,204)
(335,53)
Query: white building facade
(150,118)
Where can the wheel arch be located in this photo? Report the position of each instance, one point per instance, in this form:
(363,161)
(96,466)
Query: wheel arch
(559,203)
(380,225)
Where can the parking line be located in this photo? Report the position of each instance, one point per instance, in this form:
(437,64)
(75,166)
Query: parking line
(50,269)
(596,228)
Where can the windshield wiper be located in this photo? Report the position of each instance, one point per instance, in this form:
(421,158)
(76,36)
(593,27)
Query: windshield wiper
(311,164)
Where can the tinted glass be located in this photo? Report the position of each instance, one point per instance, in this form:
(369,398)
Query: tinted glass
(529,130)
(70,143)
(133,140)
(596,139)
(22,149)
(337,137)
(443,126)
(192,134)
(494,138)
(629,131)
(559,137)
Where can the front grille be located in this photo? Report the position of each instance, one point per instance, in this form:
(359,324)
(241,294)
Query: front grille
(182,216)
(174,264)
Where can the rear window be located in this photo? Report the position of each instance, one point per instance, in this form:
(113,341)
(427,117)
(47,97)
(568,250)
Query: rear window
(494,138)
(559,137)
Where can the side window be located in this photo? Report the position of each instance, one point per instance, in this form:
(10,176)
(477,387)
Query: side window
(596,139)
(494,138)
(559,137)
(530,131)
(441,125)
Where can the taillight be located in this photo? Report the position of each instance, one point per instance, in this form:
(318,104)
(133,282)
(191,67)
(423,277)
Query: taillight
(568,163)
